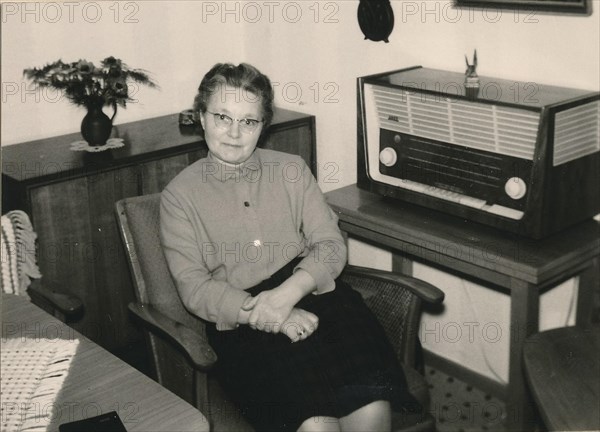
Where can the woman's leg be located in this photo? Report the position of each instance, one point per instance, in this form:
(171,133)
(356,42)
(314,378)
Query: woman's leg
(374,417)
(320,424)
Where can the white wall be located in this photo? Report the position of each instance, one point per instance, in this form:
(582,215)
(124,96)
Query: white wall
(168,39)
(313,51)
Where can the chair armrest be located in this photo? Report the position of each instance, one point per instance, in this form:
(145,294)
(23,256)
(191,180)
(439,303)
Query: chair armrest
(47,295)
(423,290)
(192,343)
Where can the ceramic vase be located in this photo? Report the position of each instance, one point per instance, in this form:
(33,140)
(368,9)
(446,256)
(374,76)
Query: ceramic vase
(96,126)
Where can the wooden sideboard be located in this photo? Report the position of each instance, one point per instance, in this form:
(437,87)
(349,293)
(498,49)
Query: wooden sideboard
(70,197)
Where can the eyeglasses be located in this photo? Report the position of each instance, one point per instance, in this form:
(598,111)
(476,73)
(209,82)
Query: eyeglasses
(223,121)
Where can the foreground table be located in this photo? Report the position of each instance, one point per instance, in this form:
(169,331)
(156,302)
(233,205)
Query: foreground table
(99,382)
(522,267)
(563,370)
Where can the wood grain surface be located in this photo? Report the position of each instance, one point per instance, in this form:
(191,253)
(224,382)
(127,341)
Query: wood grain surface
(99,382)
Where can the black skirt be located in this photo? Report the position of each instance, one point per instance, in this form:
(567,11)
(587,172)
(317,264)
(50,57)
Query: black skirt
(344,365)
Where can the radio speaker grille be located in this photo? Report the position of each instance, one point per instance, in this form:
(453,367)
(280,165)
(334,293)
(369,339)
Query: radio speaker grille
(487,127)
(576,132)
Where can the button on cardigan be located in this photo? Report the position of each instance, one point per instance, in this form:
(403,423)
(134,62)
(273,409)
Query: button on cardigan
(227,228)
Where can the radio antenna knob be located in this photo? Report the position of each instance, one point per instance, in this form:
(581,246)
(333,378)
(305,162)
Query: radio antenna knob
(388,156)
(515,188)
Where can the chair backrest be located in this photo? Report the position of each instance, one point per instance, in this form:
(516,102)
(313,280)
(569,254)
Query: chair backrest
(139,220)
(397,309)
(18,253)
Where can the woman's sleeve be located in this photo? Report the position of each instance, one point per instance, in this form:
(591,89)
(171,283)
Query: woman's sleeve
(327,250)
(212,300)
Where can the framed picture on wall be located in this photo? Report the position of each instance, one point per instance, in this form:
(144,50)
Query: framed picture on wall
(561,6)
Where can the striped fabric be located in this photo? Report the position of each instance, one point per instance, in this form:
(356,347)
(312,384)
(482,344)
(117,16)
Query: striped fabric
(18,253)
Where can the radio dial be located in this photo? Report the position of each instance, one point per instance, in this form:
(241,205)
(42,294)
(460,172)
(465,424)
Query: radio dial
(388,156)
(515,188)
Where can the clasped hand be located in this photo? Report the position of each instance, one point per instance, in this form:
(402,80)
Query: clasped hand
(271,312)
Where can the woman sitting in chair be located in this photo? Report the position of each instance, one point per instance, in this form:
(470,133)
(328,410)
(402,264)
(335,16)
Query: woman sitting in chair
(255,250)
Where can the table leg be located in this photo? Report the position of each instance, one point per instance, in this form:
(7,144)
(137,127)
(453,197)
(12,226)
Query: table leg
(589,281)
(524,321)
(402,264)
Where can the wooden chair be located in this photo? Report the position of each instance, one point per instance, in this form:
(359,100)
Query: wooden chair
(181,354)
(20,274)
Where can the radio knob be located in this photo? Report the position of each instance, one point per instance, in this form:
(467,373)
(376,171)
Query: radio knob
(515,188)
(388,156)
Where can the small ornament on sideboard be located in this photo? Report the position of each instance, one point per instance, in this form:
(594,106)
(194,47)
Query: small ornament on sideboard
(93,87)
(187,118)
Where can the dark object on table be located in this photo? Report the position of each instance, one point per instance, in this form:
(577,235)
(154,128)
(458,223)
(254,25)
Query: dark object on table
(182,356)
(376,19)
(109,422)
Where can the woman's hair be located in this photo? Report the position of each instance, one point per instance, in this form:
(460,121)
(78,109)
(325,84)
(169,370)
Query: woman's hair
(245,77)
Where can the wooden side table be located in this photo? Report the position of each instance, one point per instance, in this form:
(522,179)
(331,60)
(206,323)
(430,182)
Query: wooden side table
(497,260)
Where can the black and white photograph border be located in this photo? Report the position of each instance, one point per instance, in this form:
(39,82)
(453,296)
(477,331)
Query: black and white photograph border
(313,51)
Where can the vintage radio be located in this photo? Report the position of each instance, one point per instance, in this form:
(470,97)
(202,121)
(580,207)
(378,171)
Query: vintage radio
(521,157)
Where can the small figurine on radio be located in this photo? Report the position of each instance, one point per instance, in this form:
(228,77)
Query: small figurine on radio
(471,78)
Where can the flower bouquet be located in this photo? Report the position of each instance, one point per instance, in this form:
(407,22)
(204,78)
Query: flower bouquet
(93,87)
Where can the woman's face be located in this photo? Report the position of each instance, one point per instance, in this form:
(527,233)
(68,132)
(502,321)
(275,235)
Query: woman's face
(230,143)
